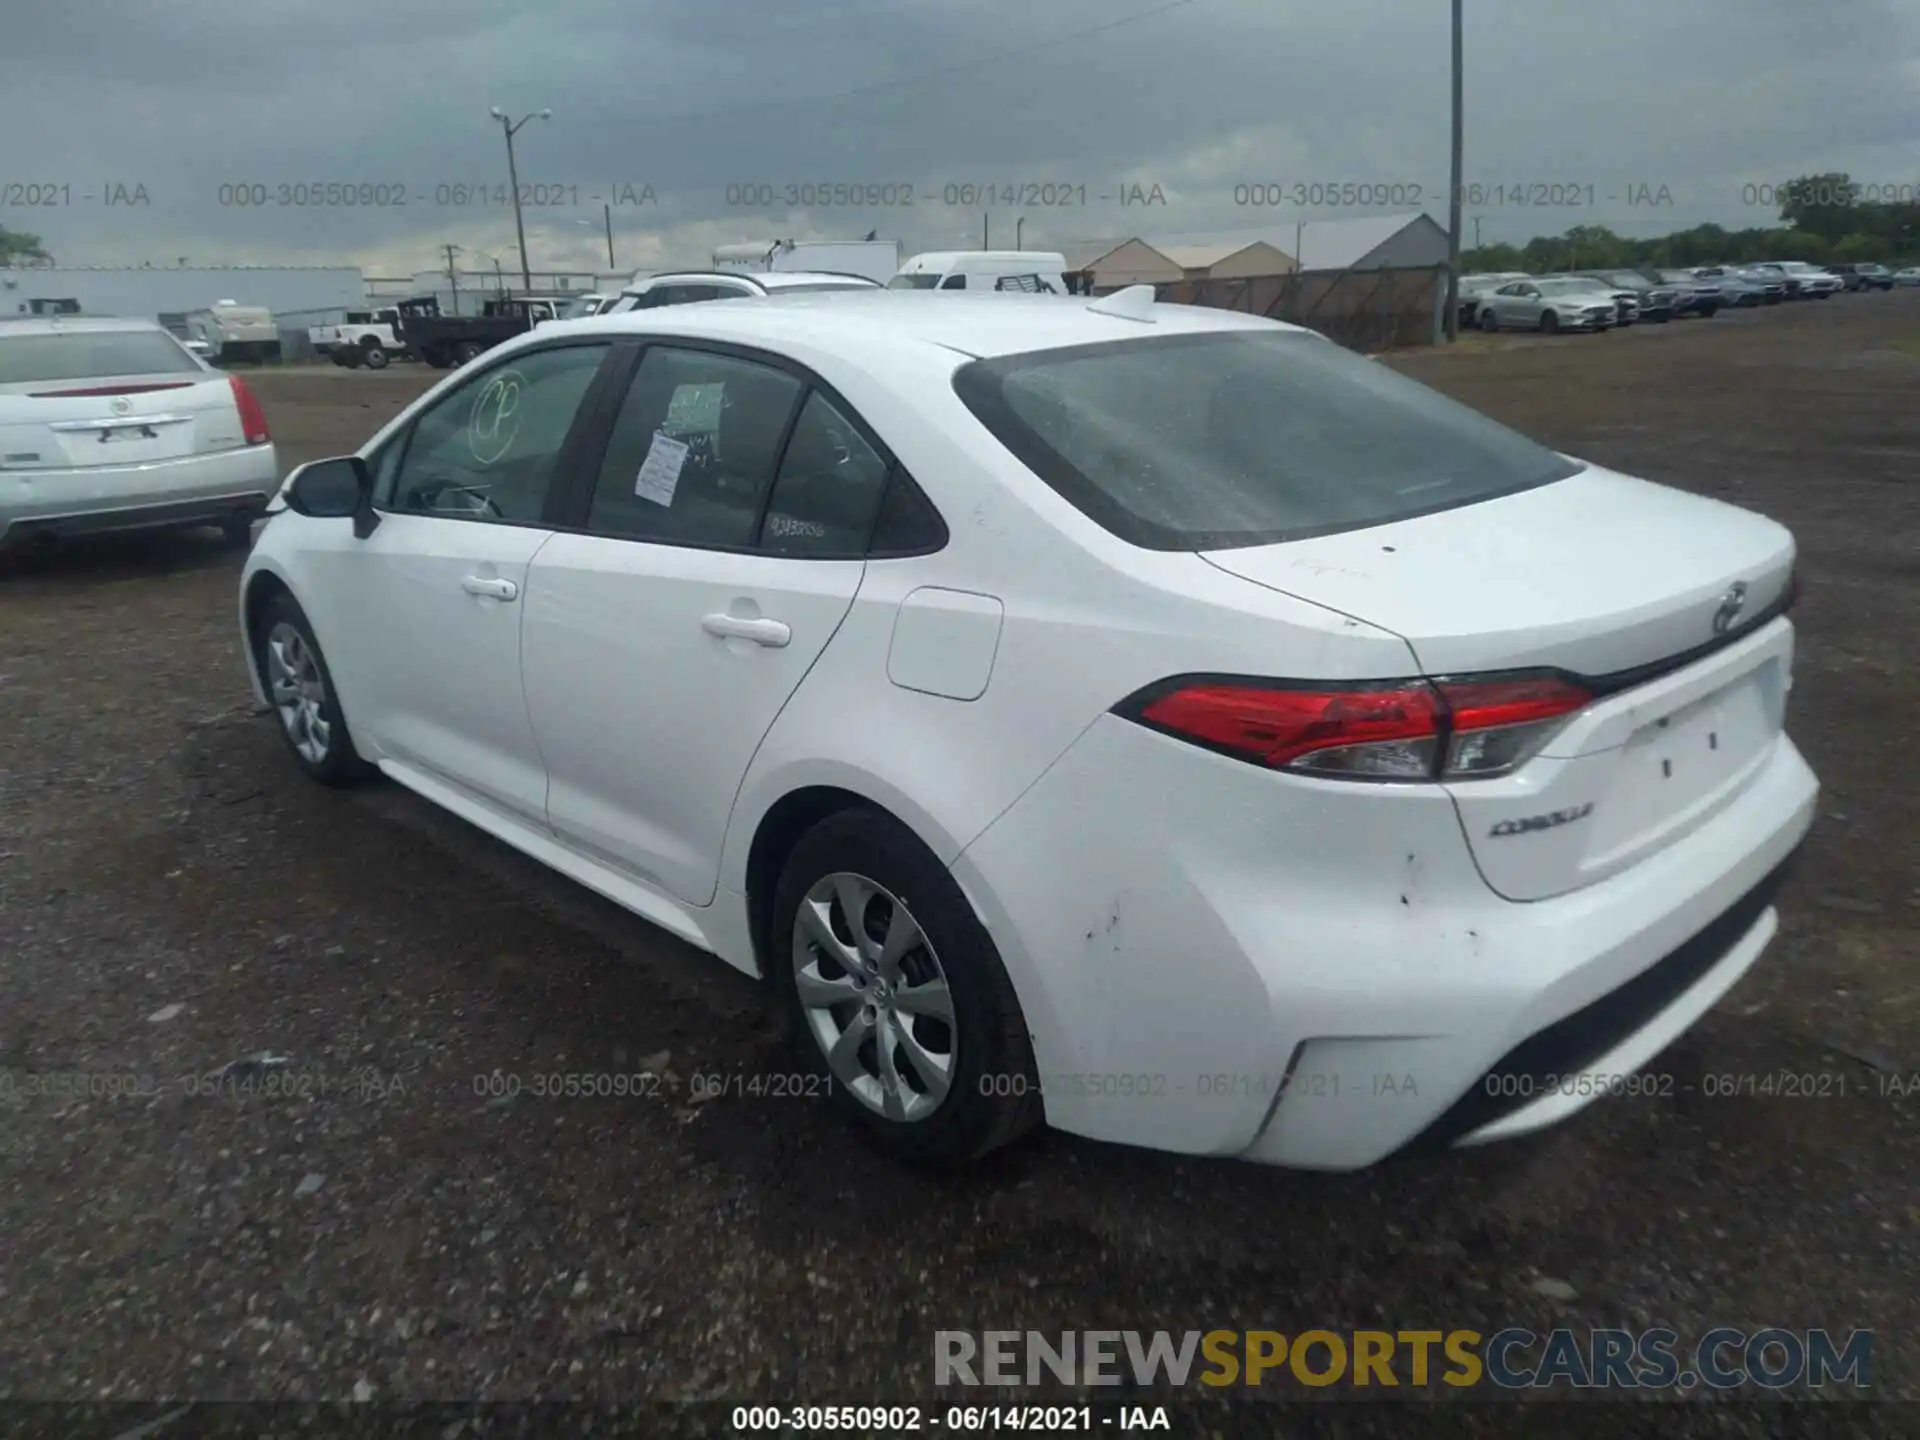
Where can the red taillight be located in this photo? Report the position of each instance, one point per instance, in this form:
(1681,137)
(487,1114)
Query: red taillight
(109,390)
(253,420)
(1279,727)
(1396,730)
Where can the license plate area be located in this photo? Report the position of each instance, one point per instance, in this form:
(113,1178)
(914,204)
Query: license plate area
(1678,767)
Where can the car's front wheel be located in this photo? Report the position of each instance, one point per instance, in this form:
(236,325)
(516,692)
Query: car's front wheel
(900,1004)
(300,688)
(1549,322)
(1489,321)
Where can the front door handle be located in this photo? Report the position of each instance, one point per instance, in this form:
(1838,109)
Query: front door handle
(735,627)
(494,589)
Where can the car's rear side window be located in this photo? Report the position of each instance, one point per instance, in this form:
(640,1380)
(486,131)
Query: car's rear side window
(87,354)
(693,450)
(1200,442)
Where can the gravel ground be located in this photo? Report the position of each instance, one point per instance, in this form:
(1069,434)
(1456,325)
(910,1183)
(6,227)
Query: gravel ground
(366,1220)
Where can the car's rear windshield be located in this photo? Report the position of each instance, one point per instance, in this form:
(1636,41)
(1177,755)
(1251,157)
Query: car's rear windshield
(84,354)
(913,282)
(1201,442)
(810,287)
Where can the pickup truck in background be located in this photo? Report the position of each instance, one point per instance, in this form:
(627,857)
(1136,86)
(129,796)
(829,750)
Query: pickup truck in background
(368,337)
(444,341)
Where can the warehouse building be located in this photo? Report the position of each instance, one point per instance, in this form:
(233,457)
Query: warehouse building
(298,295)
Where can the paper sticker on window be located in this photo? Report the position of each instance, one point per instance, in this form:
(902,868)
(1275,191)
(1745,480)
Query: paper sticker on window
(694,409)
(660,471)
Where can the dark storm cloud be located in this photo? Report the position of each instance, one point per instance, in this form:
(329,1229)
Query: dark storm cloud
(688,97)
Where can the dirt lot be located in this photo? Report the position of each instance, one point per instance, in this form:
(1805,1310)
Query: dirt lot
(173,897)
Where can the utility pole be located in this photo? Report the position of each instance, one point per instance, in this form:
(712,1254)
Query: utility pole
(1019,225)
(1453,201)
(512,128)
(453,275)
(1476,232)
(986,242)
(500,281)
(607,210)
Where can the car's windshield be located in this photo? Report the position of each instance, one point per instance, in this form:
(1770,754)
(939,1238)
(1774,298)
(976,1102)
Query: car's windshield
(86,354)
(913,282)
(1233,438)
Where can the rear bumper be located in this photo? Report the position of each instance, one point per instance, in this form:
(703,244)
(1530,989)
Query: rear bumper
(199,489)
(1216,960)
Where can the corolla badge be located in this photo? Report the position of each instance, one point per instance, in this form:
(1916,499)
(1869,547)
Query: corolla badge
(1552,820)
(1731,604)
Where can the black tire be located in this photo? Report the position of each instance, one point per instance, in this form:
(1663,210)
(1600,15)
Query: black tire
(1549,323)
(340,765)
(238,530)
(437,358)
(373,354)
(467,352)
(993,1095)
(1489,321)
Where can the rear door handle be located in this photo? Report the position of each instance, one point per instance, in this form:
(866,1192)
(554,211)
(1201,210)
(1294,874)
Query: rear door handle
(496,589)
(772,633)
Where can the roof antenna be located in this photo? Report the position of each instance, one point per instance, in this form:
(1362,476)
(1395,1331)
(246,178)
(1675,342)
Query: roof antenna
(1133,303)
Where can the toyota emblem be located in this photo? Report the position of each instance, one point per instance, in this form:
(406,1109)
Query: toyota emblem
(121,405)
(1731,604)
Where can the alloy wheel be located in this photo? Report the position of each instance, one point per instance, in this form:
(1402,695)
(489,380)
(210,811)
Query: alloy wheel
(875,997)
(299,693)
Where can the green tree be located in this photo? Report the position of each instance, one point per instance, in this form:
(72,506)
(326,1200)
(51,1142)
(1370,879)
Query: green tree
(17,245)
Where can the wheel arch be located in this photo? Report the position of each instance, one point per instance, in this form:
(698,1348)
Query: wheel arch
(765,834)
(259,590)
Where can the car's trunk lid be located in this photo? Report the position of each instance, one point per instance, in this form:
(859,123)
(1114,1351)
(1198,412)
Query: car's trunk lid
(1625,585)
(115,420)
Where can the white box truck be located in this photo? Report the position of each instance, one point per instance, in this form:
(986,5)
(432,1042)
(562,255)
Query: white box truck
(877,260)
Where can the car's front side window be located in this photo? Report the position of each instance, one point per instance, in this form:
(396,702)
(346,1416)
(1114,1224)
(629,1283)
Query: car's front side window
(693,449)
(488,450)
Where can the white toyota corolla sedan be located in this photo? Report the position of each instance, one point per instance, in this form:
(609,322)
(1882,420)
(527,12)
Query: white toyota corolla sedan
(1159,722)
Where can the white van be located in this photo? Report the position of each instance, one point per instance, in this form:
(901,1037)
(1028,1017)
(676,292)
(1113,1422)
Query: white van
(875,260)
(1035,271)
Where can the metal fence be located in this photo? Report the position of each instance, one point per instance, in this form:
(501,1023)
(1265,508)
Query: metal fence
(1365,310)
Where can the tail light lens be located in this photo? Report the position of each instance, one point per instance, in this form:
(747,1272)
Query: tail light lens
(253,420)
(1412,730)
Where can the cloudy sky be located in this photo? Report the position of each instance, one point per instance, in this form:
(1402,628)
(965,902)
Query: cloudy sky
(1219,103)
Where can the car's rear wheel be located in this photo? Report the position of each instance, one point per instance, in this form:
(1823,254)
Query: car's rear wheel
(300,688)
(1549,322)
(468,352)
(897,997)
(374,354)
(1489,321)
(238,529)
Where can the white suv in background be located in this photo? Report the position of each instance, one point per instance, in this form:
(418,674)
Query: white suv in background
(686,287)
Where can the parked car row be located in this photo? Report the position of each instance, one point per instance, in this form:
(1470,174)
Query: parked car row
(1581,300)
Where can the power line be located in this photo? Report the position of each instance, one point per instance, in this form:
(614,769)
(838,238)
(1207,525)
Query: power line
(963,67)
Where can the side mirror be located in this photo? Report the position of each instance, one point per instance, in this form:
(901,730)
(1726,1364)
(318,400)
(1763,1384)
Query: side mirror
(340,488)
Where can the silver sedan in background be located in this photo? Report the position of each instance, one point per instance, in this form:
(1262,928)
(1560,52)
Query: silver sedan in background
(1549,304)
